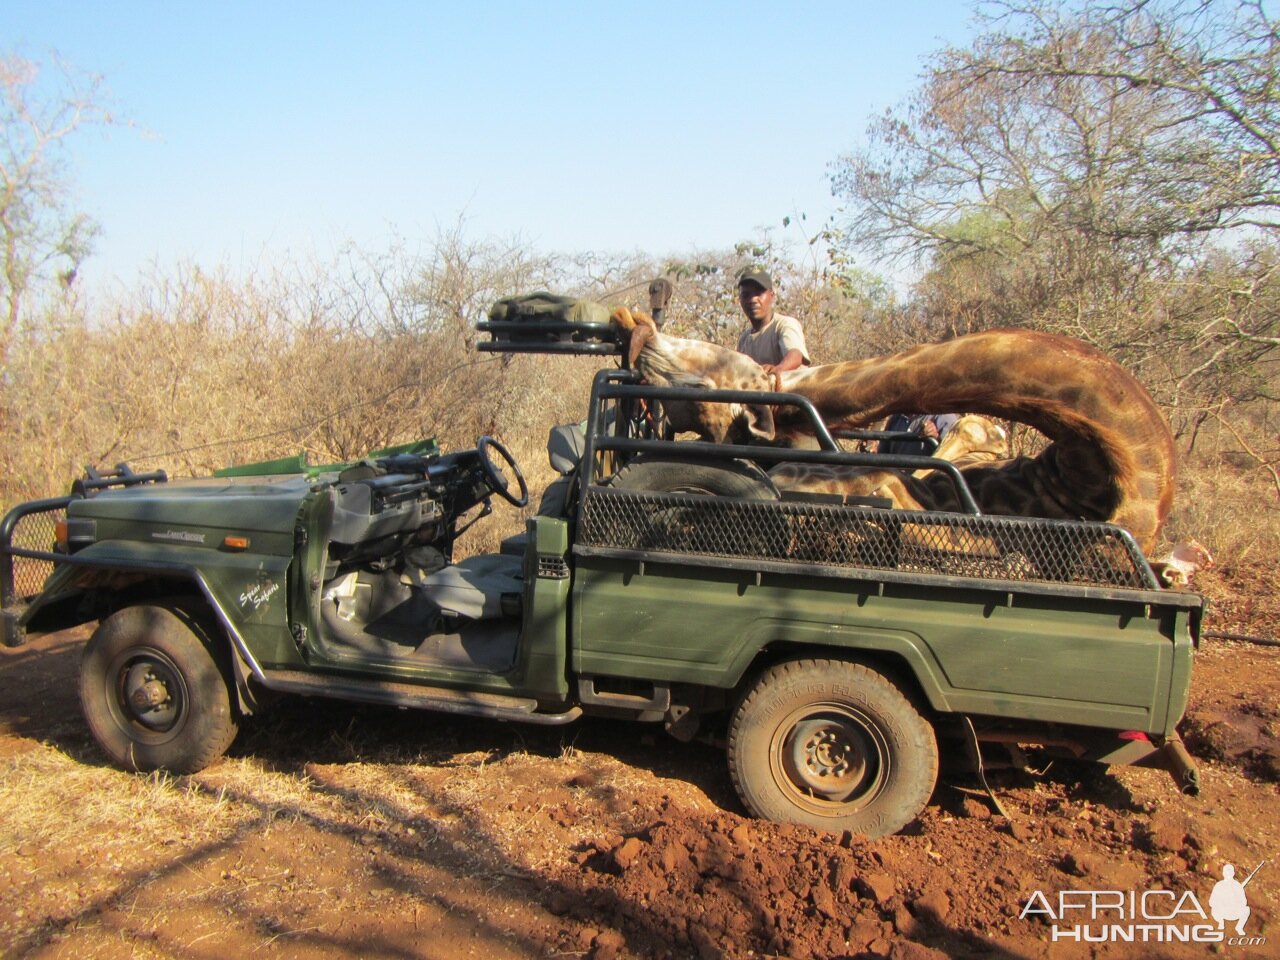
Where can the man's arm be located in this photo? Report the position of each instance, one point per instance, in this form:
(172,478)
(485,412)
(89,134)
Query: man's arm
(791,361)
(795,352)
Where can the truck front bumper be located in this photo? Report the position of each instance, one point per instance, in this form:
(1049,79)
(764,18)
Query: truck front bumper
(12,632)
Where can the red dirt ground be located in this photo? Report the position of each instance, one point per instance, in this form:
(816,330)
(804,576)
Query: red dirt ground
(338,832)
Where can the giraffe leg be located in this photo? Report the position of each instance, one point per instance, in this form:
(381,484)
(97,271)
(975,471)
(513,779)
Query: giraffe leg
(847,481)
(639,328)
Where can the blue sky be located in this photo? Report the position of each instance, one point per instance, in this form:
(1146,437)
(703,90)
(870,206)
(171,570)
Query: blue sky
(270,130)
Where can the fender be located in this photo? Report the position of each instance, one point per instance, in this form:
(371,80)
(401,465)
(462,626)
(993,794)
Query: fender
(242,591)
(908,647)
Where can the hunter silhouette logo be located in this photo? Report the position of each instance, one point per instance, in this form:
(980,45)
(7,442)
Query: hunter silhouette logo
(1148,916)
(1228,900)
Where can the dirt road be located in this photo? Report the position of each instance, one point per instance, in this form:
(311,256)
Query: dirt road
(340,832)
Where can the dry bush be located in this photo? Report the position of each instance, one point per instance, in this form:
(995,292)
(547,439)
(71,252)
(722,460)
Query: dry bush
(1226,507)
(1229,496)
(193,371)
(1230,506)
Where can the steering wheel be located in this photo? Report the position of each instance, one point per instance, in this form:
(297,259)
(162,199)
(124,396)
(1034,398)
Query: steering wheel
(493,472)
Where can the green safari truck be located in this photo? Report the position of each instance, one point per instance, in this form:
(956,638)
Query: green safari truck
(831,644)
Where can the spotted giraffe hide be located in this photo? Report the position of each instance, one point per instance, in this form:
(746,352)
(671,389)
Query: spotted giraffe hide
(972,439)
(1111,457)
(677,362)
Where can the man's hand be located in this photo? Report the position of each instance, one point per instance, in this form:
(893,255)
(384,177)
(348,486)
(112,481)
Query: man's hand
(792,361)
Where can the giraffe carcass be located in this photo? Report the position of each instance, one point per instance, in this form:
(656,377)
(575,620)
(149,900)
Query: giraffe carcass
(1111,456)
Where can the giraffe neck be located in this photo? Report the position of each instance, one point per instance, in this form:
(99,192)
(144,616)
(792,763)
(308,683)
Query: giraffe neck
(1112,453)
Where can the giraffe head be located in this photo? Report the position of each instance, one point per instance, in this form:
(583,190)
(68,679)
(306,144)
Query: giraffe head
(973,438)
(676,362)
(1176,568)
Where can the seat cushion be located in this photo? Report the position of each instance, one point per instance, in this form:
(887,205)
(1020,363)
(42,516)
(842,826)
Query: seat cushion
(475,587)
(515,545)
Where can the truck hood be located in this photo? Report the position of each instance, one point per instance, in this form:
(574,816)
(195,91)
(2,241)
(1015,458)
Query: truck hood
(195,512)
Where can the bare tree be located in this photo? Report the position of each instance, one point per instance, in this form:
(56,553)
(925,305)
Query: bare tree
(42,238)
(1131,124)
(1107,169)
(1206,155)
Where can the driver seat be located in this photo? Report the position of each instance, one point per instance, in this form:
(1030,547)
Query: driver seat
(565,445)
(482,587)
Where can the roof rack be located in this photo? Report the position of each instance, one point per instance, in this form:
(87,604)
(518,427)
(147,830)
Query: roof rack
(548,336)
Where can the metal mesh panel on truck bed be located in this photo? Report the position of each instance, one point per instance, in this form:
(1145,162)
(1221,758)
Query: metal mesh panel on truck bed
(903,541)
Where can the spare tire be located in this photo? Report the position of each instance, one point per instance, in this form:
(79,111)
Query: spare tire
(695,512)
(717,478)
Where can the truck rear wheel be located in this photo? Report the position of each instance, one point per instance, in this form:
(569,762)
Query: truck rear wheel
(152,693)
(833,745)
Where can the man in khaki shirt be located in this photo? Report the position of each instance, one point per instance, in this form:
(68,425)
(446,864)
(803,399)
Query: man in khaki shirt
(775,341)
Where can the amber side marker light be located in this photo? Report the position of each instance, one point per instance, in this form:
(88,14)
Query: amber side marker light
(236,543)
(72,533)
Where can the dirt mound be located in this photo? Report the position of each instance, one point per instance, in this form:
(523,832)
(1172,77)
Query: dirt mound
(1246,735)
(758,887)
(721,886)
(1237,724)
(718,886)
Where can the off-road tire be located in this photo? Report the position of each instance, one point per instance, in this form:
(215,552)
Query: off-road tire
(184,719)
(683,526)
(833,745)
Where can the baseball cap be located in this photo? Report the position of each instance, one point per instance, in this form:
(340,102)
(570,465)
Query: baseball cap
(756,275)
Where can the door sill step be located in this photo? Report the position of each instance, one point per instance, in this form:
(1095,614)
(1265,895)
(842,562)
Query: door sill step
(495,706)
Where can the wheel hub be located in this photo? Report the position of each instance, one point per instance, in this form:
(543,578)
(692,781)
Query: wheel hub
(148,695)
(826,758)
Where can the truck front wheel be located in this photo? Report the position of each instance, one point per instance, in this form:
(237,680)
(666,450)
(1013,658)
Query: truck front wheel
(833,745)
(152,694)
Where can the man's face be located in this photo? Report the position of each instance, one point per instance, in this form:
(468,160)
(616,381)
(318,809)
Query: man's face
(756,301)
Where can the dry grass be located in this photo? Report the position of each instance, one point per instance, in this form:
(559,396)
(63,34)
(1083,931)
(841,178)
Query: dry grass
(1230,507)
(115,810)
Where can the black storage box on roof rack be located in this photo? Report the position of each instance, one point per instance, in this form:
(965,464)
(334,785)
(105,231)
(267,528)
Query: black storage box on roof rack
(547,323)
